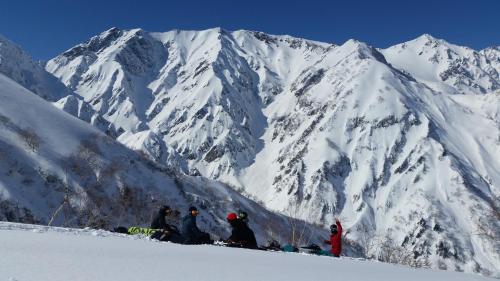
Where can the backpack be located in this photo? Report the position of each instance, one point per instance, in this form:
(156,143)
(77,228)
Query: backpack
(141,230)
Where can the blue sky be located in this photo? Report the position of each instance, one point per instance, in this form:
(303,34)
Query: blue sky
(45,28)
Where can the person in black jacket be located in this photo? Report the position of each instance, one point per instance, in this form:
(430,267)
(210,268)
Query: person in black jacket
(241,234)
(166,232)
(190,231)
(243,217)
(159,221)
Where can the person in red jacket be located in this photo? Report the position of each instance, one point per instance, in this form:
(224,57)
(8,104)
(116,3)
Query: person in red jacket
(335,238)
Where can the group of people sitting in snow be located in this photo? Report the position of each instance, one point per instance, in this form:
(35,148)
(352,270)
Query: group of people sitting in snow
(241,234)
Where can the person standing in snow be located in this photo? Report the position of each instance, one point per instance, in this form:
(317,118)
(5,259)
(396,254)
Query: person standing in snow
(190,231)
(241,234)
(335,238)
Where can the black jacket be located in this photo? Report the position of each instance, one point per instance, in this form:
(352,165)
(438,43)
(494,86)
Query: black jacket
(191,233)
(243,235)
(160,223)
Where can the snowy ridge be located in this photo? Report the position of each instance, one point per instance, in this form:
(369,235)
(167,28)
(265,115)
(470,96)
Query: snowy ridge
(439,63)
(61,253)
(19,66)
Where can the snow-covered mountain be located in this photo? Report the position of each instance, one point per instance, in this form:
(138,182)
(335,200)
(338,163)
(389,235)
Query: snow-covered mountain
(59,170)
(315,130)
(402,143)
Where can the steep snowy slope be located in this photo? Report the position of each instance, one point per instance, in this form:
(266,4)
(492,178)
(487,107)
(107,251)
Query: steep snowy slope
(77,107)
(41,253)
(57,169)
(492,55)
(20,67)
(315,130)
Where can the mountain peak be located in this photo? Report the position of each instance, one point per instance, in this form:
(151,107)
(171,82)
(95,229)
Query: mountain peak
(492,48)
(110,31)
(5,40)
(428,37)
(95,43)
(8,48)
(429,40)
(364,50)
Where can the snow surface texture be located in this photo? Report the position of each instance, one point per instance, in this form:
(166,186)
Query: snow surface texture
(59,170)
(67,254)
(402,143)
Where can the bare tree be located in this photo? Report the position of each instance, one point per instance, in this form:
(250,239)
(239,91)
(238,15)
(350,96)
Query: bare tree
(30,138)
(389,251)
(64,202)
(301,232)
(488,226)
(368,242)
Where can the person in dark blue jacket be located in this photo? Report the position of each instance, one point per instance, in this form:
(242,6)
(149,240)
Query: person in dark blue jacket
(190,231)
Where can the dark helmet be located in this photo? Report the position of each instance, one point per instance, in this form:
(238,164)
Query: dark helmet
(333,228)
(242,215)
(164,209)
(273,243)
(192,208)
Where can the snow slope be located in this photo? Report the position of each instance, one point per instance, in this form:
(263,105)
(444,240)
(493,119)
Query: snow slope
(41,253)
(19,66)
(402,143)
(447,67)
(58,169)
